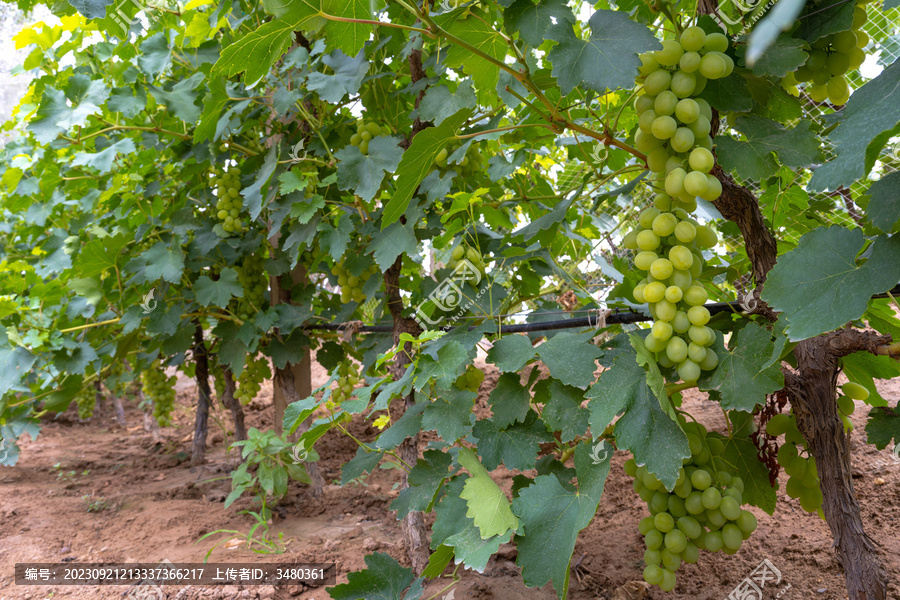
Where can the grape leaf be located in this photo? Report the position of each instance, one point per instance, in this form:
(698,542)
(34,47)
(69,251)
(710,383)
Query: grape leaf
(570,357)
(406,426)
(103,160)
(181,98)
(348,73)
(417,161)
(99,255)
(864,367)
(729,94)
(781,18)
(883,426)
(872,112)
(439,103)
(552,516)
(742,378)
(364,173)
(425,478)
(219,292)
(650,434)
(439,560)
(532,20)
(753,159)
(740,458)
(818,286)
(59,111)
(516,446)
(214,103)
(487,505)
(450,414)
(607,60)
(511,352)
(383,579)
(156,54)
(562,408)
(92,9)
(444,369)
(361,463)
(509,400)
(453,528)
(820,22)
(883,210)
(161,261)
(15,363)
(390,243)
(479,35)
(784,55)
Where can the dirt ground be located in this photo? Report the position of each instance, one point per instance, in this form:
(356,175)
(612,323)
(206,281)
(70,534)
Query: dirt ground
(155,507)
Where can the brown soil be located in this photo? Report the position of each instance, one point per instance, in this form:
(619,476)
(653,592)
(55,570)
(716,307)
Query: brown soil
(157,508)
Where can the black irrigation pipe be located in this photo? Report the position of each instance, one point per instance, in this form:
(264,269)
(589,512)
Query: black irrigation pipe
(615,317)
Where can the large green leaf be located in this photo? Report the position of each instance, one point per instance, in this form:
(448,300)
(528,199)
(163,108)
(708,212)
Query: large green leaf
(220,291)
(884,426)
(867,121)
(450,414)
(487,504)
(745,376)
(552,516)
(383,579)
(417,161)
(425,478)
(607,60)
(649,433)
(364,173)
(454,529)
(516,445)
(162,261)
(92,9)
(755,158)
(511,352)
(477,33)
(570,357)
(883,210)
(819,286)
(59,111)
(532,20)
(346,75)
(509,400)
(562,408)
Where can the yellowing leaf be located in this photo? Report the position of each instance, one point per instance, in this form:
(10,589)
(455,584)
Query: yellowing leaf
(488,505)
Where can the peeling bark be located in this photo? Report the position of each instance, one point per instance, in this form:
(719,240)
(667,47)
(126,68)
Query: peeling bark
(201,373)
(230,402)
(813,399)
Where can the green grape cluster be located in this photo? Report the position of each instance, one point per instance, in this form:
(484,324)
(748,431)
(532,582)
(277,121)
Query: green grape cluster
(256,370)
(365,132)
(703,512)
(830,59)
(463,252)
(253,279)
(798,464)
(161,390)
(86,400)
(346,383)
(470,379)
(669,245)
(471,163)
(351,285)
(229,204)
(674,127)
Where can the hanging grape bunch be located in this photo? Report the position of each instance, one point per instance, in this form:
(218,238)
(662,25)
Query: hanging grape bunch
(229,204)
(364,134)
(346,383)
(460,252)
(161,390)
(471,163)
(673,127)
(797,462)
(669,245)
(86,400)
(256,370)
(703,512)
(253,279)
(470,379)
(352,285)
(830,58)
